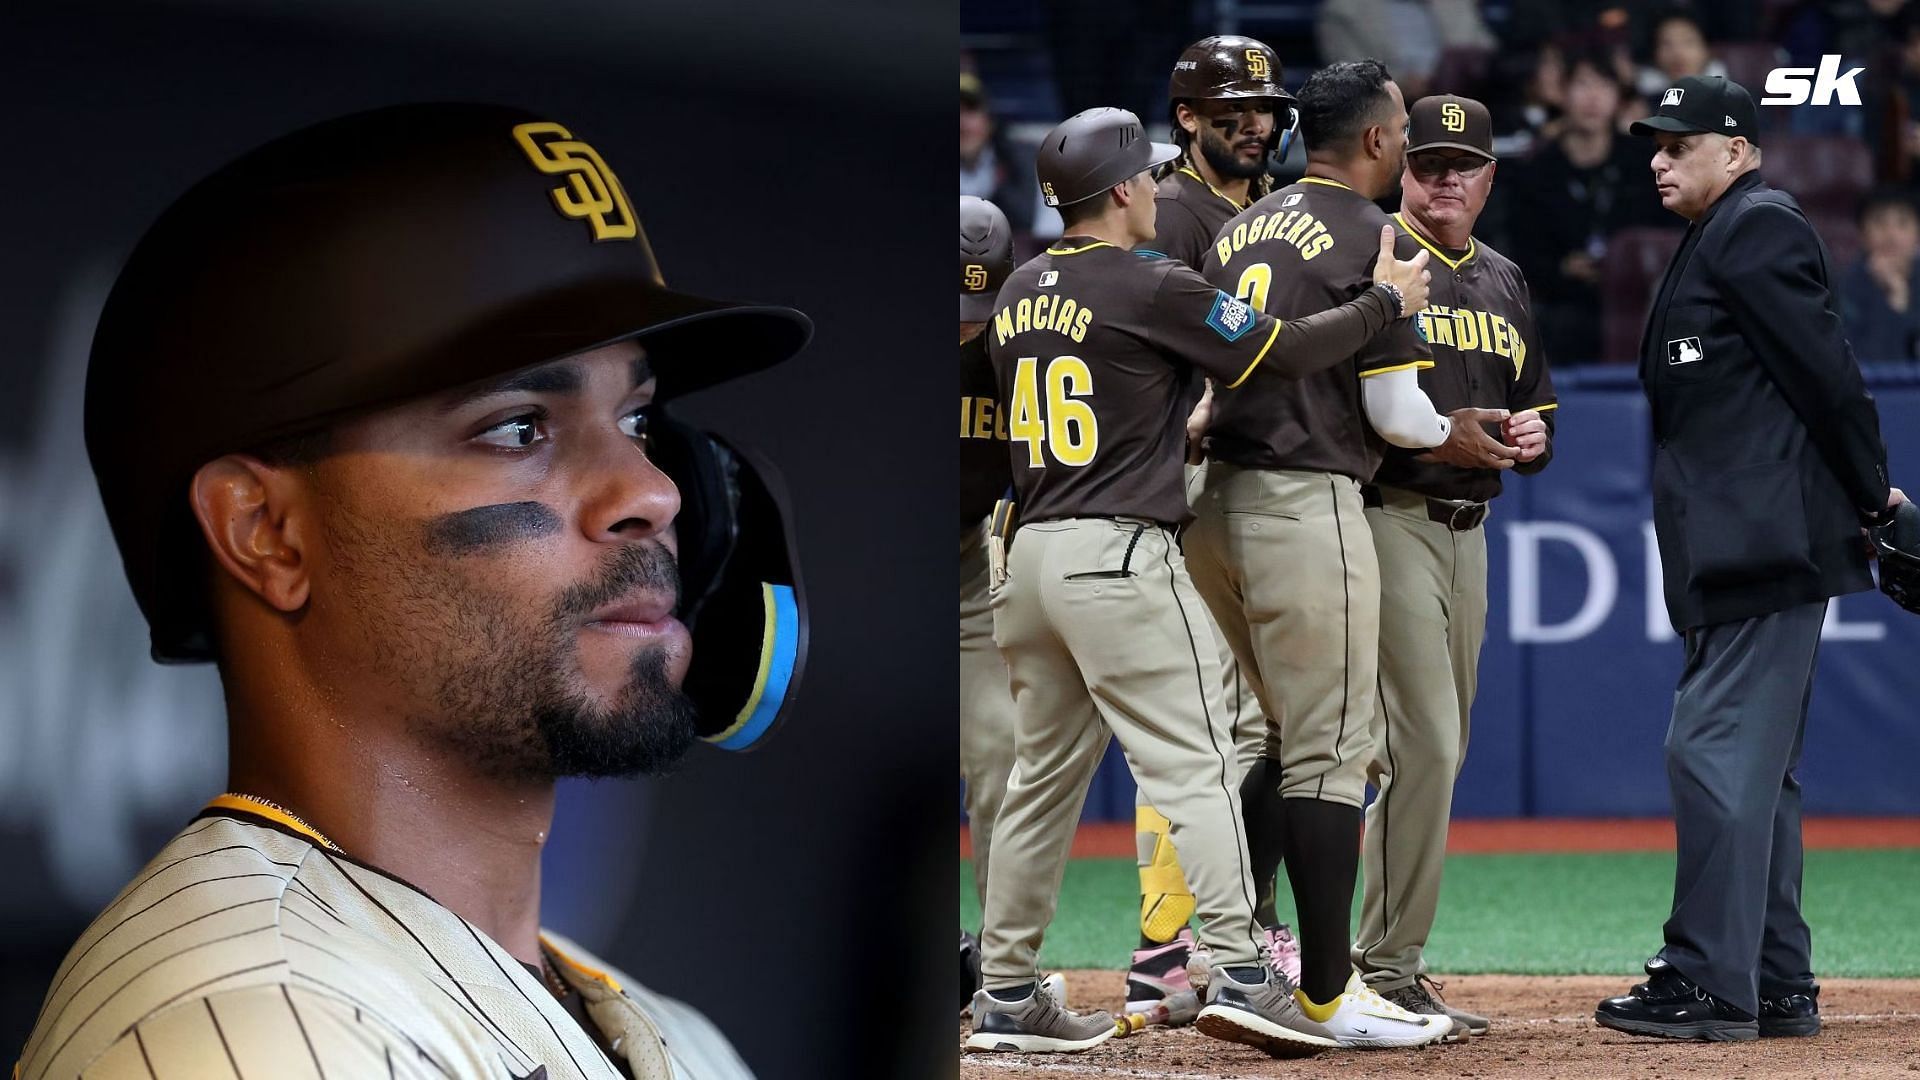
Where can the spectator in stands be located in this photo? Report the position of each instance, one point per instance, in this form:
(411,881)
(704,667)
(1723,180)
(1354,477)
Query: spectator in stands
(1880,293)
(1571,195)
(1521,122)
(1679,50)
(1408,36)
(989,167)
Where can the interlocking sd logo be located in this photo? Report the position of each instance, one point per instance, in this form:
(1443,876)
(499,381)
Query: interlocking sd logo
(1453,117)
(974,277)
(592,193)
(1257,66)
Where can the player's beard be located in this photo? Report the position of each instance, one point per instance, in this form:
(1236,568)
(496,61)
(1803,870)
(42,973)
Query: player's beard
(1225,161)
(500,687)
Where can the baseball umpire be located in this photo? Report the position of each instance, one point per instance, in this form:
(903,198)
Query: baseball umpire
(1229,113)
(986,707)
(377,416)
(1279,546)
(1425,517)
(1767,463)
(1099,624)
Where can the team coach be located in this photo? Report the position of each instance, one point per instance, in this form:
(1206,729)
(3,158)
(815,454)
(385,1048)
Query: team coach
(1768,462)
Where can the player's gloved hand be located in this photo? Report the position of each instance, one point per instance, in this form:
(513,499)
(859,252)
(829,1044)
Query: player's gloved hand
(1527,432)
(1409,277)
(1468,445)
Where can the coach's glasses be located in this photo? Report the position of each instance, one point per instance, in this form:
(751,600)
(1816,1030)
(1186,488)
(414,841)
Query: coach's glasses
(1434,166)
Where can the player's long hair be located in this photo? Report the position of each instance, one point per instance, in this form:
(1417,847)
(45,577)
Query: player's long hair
(1256,190)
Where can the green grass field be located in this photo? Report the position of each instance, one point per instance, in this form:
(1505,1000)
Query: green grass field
(1545,914)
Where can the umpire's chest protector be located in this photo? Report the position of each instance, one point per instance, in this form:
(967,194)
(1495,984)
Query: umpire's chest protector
(1749,517)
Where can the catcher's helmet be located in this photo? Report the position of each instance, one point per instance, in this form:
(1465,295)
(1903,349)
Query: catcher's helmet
(406,251)
(986,256)
(1091,151)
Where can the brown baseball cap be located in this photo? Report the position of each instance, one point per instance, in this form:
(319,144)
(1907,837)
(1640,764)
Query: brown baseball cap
(1448,121)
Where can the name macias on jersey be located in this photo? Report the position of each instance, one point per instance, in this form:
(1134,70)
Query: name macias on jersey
(1060,314)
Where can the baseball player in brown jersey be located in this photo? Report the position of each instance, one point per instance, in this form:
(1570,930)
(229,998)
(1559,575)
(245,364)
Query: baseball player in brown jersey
(986,707)
(1279,547)
(1228,111)
(1425,517)
(1099,624)
(376,413)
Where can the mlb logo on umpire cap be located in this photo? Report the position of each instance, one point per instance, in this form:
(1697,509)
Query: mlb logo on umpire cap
(1672,96)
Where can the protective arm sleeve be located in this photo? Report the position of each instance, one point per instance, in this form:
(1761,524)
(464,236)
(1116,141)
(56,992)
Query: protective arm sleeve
(1401,412)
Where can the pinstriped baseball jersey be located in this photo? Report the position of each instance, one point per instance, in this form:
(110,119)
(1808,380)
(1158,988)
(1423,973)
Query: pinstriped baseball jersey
(249,949)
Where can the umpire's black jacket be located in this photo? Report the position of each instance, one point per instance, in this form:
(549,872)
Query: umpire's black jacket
(1768,448)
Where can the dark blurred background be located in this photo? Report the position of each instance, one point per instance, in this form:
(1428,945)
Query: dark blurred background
(800,895)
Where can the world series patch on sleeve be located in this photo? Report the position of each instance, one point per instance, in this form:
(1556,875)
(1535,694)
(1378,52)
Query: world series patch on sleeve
(1230,318)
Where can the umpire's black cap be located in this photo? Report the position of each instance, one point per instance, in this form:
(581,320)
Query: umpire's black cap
(1703,103)
(360,262)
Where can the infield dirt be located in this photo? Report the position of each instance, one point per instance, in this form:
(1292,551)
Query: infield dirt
(1542,1027)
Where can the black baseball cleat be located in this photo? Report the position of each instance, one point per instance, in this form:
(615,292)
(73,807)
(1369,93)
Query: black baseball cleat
(1790,1015)
(1669,1005)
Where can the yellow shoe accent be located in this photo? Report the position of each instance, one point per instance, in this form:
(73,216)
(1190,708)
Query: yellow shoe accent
(1319,1014)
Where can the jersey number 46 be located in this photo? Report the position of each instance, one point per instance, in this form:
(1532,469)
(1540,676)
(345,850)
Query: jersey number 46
(1062,425)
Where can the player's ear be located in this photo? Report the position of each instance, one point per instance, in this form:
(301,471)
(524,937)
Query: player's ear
(258,524)
(1188,120)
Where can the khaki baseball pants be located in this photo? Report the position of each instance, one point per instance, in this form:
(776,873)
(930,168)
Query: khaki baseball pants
(1284,562)
(986,705)
(1103,634)
(1433,617)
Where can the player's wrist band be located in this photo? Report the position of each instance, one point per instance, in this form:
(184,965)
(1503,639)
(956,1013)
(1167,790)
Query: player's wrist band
(1399,300)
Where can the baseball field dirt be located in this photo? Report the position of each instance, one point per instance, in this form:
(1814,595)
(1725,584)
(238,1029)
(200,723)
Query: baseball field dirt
(1542,1027)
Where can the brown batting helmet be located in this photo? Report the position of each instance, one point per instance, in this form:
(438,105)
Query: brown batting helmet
(1227,66)
(1089,152)
(986,257)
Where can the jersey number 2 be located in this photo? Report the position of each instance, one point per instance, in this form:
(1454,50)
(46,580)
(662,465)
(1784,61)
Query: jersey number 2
(1254,284)
(1066,425)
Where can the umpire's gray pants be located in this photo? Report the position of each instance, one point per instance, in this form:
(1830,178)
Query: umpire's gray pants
(1738,717)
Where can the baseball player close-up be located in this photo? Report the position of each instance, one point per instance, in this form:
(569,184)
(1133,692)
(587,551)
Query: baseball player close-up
(1279,546)
(435,541)
(1229,115)
(1093,610)
(1426,520)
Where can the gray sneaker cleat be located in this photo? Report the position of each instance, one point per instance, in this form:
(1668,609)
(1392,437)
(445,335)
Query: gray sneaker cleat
(1036,1024)
(1261,1014)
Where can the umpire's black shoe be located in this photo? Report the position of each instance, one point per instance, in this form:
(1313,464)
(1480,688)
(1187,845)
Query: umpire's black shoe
(1672,1006)
(1790,1014)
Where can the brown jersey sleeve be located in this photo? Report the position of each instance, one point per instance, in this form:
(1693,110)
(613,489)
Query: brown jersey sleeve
(1403,345)
(1198,319)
